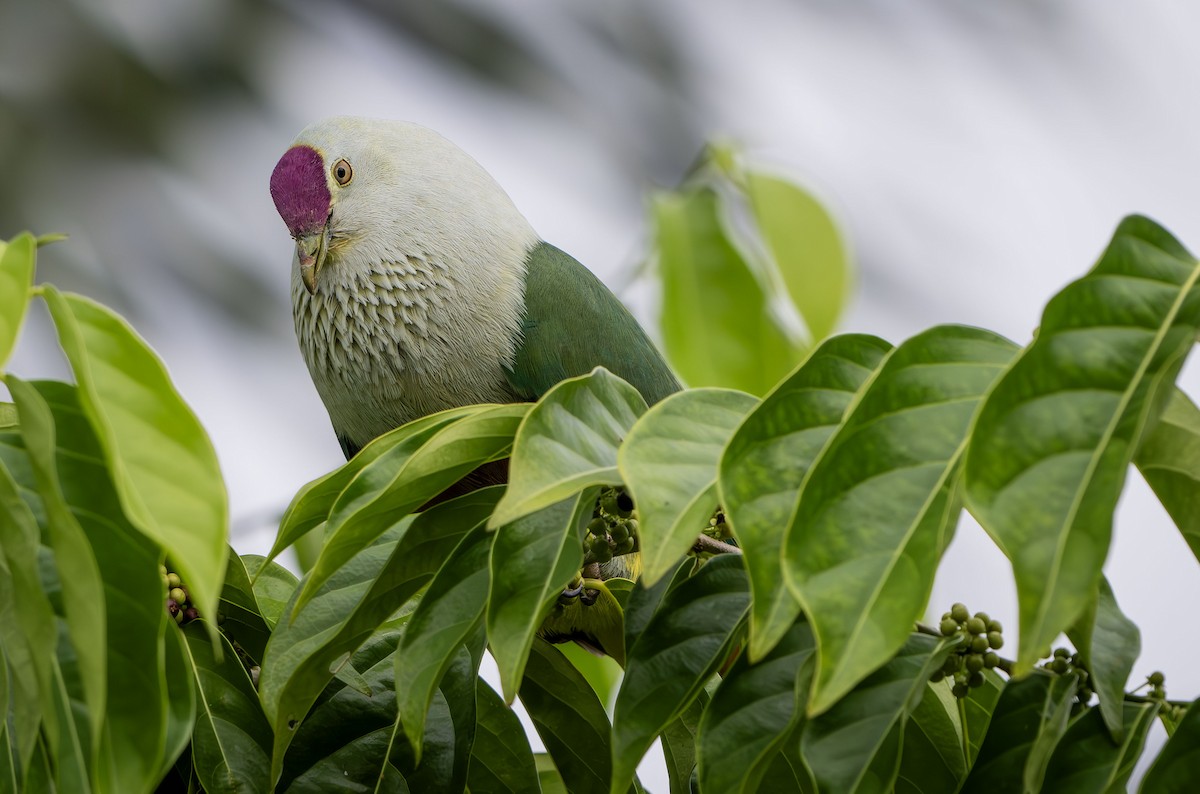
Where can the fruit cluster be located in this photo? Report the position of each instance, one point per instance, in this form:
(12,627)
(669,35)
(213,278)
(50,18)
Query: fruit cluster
(613,528)
(1063,662)
(179,605)
(718,528)
(980,638)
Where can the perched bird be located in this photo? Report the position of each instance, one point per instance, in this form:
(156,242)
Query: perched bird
(418,286)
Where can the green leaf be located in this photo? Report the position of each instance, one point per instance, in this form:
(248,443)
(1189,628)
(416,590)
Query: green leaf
(717,321)
(1109,644)
(302,653)
(311,505)
(531,561)
(71,751)
(753,712)
(404,479)
(880,504)
(1177,766)
(16,277)
(854,747)
(78,573)
(679,745)
(682,646)
(976,711)
(643,602)
(243,620)
(1029,719)
(669,460)
(8,415)
(450,611)
(766,460)
(161,461)
(805,244)
(569,718)
(231,746)
(501,761)
(1169,460)
(1055,436)
(181,698)
(273,586)
(568,442)
(1086,759)
(602,673)
(932,759)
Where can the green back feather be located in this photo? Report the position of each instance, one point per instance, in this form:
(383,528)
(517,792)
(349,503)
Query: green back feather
(572,324)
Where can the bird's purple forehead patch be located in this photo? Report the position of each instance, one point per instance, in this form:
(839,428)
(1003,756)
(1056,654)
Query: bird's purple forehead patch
(300,190)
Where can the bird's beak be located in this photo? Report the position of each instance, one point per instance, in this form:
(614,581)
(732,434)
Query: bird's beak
(310,251)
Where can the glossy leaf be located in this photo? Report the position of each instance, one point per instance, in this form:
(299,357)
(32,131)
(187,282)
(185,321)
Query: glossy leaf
(1177,766)
(1087,760)
(273,586)
(854,747)
(685,642)
(678,741)
(162,462)
(932,760)
(231,746)
(16,277)
(806,246)
(1029,719)
(717,322)
(1109,644)
(752,713)
(303,653)
(569,718)
(766,460)
(1169,459)
(976,712)
(1054,439)
(880,504)
(8,415)
(450,611)
(531,561)
(181,698)
(243,621)
(669,461)
(501,761)
(568,442)
(401,481)
(310,507)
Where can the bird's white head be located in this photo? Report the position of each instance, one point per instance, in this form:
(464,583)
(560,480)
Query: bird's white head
(370,190)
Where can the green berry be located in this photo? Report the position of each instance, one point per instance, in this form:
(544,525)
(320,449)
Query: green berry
(619,533)
(599,549)
(976,680)
(632,525)
(948,626)
(179,616)
(1062,652)
(173,579)
(959,612)
(1059,665)
(976,626)
(946,616)
(979,644)
(952,664)
(598,526)
(624,547)
(608,503)
(974,662)
(960,690)
(991,660)
(177,594)
(994,625)
(995,640)
(938,675)
(984,617)
(162,569)
(1156,678)
(1158,693)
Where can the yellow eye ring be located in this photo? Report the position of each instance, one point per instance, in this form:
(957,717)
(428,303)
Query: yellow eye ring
(342,172)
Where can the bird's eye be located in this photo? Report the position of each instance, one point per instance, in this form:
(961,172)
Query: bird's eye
(342,172)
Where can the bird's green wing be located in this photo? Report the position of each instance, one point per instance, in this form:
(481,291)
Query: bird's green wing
(572,324)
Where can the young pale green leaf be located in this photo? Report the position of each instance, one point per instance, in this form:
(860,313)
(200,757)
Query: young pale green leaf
(879,506)
(682,646)
(1028,721)
(8,415)
(1054,438)
(752,713)
(569,718)
(127,562)
(855,745)
(16,277)
(71,748)
(231,745)
(161,460)
(1177,766)
(450,611)
(303,652)
(806,246)
(1109,644)
(273,586)
(602,673)
(401,480)
(311,505)
(501,760)
(766,460)
(74,562)
(1169,460)
(568,442)
(242,619)
(532,559)
(932,759)
(669,461)
(1087,761)
(717,322)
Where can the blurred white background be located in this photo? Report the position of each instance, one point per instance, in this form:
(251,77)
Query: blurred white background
(977,155)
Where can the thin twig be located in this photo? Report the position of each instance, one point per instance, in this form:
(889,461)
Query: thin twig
(706,544)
